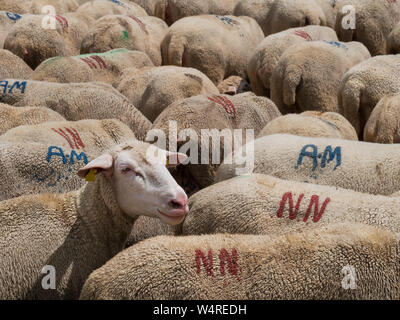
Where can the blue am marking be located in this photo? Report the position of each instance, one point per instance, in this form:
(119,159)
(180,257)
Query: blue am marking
(337,44)
(16,84)
(13,16)
(54,151)
(327,156)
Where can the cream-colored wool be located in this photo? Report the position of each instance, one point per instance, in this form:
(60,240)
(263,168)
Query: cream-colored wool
(122,31)
(277,15)
(307,265)
(102,67)
(100,8)
(213,112)
(360,166)
(219,46)
(75,233)
(268,52)
(78,101)
(364,85)
(312,124)
(234,85)
(393,41)
(151,90)
(396,194)
(308,75)
(37,6)
(7,20)
(374,20)
(274,207)
(330,10)
(383,126)
(148,5)
(50,165)
(11,117)
(12,66)
(30,41)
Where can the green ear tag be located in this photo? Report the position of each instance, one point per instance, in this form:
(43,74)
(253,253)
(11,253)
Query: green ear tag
(91,175)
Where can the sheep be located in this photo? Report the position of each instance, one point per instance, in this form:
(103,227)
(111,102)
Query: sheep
(383,126)
(76,101)
(29,40)
(359,166)
(219,46)
(151,90)
(234,85)
(312,124)
(277,15)
(393,41)
(12,66)
(11,117)
(103,67)
(308,75)
(364,85)
(7,20)
(38,6)
(204,127)
(373,21)
(320,264)
(273,206)
(79,231)
(100,8)
(330,10)
(268,52)
(115,31)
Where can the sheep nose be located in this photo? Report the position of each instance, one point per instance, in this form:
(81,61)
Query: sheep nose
(178,203)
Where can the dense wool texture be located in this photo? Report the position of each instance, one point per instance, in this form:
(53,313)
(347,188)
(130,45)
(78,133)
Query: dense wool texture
(311,265)
(50,165)
(308,75)
(11,117)
(30,41)
(374,20)
(100,8)
(273,206)
(277,15)
(36,6)
(330,10)
(12,66)
(122,31)
(312,124)
(102,67)
(393,41)
(360,166)
(383,125)
(77,101)
(212,112)
(151,90)
(218,46)
(267,54)
(364,85)
(7,20)
(234,85)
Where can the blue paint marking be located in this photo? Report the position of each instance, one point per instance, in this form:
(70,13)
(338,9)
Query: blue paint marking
(116,2)
(227,20)
(6,85)
(337,44)
(54,151)
(13,16)
(329,155)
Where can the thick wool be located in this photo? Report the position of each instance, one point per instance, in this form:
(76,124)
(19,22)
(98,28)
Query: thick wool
(274,207)
(30,41)
(36,6)
(383,125)
(219,46)
(306,265)
(308,75)
(11,117)
(100,8)
(364,85)
(312,124)
(267,54)
(234,85)
(58,150)
(102,67)
(277,15)
(77,101)
(151,90)
(360,166)
(12,66)
(330,9)
(7,20)
(374,20)
(212,112)
(122,31)
(393,41)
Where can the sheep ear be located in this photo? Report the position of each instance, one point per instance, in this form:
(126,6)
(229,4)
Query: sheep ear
(103,162)
(175,159)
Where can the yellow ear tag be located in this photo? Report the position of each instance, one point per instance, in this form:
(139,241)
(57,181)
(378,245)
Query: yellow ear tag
(167,164)
(91,175)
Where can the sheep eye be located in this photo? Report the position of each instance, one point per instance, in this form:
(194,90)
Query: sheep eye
(126,169)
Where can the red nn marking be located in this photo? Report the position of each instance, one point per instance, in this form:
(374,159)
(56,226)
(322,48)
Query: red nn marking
(317,215)
(303,34)
(207,263)
(233,266)
(292,214)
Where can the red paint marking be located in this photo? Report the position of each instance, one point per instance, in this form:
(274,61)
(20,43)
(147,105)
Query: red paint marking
(63,21)
(303,34)
(207,263)
(225,103)
(233,266)
(100,61)
(293,213)
(75,137)
(392,1)
(140,23)
(91,64)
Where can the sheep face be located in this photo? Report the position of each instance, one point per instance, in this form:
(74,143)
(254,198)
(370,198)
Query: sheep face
(141,181)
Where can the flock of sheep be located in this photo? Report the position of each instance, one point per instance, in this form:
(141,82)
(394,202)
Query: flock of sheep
(86,211)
